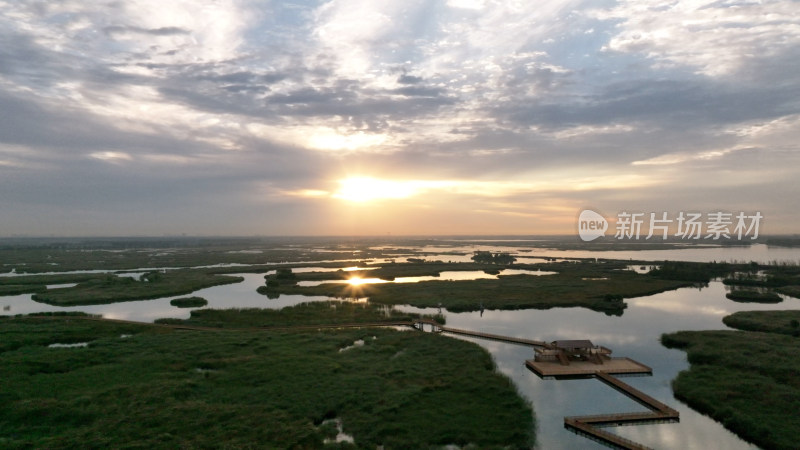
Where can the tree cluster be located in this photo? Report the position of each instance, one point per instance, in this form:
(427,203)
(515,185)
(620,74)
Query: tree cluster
(485,257)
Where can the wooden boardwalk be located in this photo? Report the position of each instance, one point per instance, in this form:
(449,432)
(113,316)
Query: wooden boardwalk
(602,368)
(587,425)
(643,399)
(603,436)
(587,369)
(494,337)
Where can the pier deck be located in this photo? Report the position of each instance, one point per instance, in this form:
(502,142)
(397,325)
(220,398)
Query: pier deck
(587,369)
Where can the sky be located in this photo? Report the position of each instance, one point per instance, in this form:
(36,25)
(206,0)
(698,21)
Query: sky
(363,117)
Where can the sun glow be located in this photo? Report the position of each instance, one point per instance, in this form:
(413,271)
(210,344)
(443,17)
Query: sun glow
(358,281)
(355,281)
(328,139)
(366,189)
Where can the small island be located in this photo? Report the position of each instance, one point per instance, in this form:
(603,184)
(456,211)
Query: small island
(189,302)
(747,380)
(747,295)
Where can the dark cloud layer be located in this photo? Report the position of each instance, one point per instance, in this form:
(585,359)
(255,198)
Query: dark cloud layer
(117,31)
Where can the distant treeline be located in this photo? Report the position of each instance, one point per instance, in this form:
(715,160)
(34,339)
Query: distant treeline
(784,241)
(691,271)
(484,257)
(742,274)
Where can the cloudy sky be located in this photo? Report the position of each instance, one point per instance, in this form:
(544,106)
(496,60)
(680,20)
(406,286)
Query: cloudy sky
(235,117)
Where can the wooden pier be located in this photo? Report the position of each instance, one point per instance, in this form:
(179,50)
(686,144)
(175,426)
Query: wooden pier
(637,395)
(602,436)
(570,359)
(587,369)
(588,425)
(439,328)
(495,337)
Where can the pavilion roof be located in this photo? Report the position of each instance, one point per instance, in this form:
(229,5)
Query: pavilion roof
(573,344)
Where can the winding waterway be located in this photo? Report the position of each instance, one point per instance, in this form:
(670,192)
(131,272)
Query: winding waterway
(635,334)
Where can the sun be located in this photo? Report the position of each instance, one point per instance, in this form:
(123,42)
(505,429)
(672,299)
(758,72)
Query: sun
(364,189)
(358,281)
(355,281)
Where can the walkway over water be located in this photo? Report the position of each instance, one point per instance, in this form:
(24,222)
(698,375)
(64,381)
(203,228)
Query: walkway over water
(598,365)
(437,327)
(587,425)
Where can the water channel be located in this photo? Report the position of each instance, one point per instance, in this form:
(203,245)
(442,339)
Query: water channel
(635,334)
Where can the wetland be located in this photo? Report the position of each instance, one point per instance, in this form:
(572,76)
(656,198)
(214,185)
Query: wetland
(545,294)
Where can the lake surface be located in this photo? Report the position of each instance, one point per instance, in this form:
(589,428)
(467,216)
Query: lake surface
(759,252)
(446,275)
(239,295)
(635,334)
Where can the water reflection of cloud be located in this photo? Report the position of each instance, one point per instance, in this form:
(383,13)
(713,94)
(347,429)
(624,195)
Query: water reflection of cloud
(676,306)
(712,311)
(691,433)
(665,435)
(605,339)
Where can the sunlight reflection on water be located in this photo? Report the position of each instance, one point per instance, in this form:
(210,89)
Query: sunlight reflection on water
(443,276)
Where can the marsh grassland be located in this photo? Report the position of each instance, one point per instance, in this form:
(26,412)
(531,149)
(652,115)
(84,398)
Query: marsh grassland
(598,286)
(747,380)
(140,386)
(300,377)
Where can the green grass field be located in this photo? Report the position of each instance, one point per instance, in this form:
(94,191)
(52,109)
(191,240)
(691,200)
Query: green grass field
(313,313)
(783,322)
(65,254)
(600,287)
(110,288)
(792,291)
(60,255)
(748,295)
(144,386)
(746,380)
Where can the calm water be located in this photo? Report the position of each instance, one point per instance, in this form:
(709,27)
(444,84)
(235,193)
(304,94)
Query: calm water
(239,295)
(443,276)
(635,334)
(759,252)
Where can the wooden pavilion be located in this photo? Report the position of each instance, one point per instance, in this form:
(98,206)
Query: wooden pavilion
(566,351)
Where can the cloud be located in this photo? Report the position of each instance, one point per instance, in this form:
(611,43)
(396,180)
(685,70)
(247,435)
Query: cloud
(125,31)
(409,79)
(111,156)
(473,107)
(679,158)
(467,4)
(714,38)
